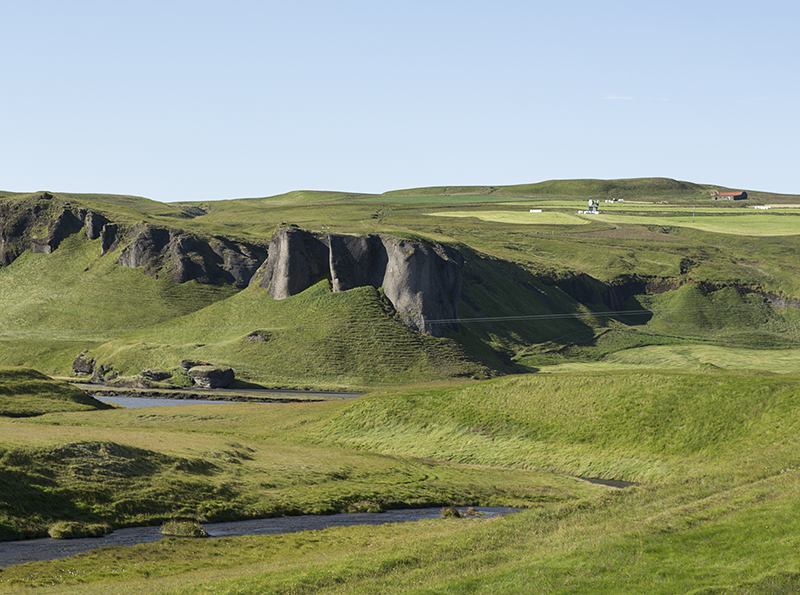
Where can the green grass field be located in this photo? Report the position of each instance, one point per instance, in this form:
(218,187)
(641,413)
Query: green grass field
(760,224)
(664,331)
(715,509)
(517,218)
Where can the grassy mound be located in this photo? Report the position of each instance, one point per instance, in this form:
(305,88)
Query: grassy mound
(634,426)
(25,393)
(176,528)
(316,338)
(724,315)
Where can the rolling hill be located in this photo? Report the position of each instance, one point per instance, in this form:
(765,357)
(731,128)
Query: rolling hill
(140,284)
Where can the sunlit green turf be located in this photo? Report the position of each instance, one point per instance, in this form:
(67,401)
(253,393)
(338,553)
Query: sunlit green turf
(760,224)
(736,222)
(716,509)
(25,393)
(517,218)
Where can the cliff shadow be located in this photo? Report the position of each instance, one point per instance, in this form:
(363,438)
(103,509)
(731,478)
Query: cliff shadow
(525,317)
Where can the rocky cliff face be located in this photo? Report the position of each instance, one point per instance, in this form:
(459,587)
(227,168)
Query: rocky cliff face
(423,281)
(39,223)
(185,257)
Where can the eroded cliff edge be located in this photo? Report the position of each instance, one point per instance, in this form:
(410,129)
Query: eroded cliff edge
(421,280)
(42,221)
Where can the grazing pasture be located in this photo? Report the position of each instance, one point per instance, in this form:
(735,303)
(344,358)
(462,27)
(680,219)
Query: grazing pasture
(655,344)
(713,455)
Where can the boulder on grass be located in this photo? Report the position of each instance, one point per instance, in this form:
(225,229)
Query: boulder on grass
(155,375)
(211,376)
(83,366)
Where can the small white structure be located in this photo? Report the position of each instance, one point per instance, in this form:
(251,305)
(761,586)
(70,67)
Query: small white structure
(593,208)
(763,207)
(536,210)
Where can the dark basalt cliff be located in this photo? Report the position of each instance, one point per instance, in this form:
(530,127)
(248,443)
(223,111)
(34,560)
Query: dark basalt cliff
(422,281)
(39,223)
(186,257)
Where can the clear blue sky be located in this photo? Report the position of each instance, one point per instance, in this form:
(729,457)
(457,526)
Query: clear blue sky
(200,100)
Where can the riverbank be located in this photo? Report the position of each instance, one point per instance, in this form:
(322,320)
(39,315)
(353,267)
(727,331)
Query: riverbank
(38,550)
(241,395)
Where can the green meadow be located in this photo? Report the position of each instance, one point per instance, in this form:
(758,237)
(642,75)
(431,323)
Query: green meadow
(518,218)
(655,346)
(713,456)
(760,224)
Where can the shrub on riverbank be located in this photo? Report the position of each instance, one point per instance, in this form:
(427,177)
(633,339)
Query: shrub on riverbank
(175,528)
(72,530)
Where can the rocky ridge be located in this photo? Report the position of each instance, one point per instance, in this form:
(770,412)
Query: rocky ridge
(41,222)
(421,280)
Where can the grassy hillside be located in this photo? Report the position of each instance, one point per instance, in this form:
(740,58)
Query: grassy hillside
(56,305)
(639,187)
(27,393)
(637,426)
(715,508)
(316,338)
(536,292)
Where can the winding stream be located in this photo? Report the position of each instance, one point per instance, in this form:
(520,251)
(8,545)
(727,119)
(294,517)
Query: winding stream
(36,550)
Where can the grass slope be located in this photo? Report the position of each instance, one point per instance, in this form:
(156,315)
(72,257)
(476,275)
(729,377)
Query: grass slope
(316,338)
(55,305)
(588,188)
(725,316)
(716,513)
(26,393)
(636,426)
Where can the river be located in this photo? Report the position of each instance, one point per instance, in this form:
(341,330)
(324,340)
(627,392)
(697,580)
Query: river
(137,402)
(35,550)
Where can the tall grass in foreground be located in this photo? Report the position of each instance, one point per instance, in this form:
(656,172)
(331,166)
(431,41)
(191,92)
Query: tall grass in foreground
(643,540)
(639,426)
(716,455)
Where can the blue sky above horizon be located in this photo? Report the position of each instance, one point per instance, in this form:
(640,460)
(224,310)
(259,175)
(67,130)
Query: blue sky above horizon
(203,100)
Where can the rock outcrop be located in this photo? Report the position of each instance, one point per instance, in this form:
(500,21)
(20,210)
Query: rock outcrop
(83,365)
(211,376)
(421,280)
(40,222)
(185,257)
